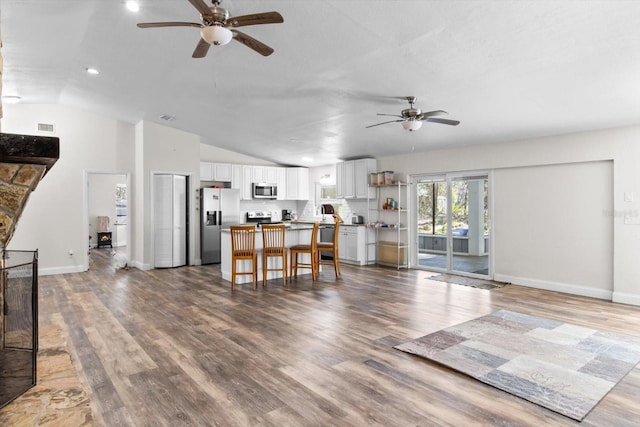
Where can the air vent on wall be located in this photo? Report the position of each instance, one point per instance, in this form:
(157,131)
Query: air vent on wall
(46,127)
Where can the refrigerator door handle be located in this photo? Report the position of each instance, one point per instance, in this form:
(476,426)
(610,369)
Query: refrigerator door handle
(219,217)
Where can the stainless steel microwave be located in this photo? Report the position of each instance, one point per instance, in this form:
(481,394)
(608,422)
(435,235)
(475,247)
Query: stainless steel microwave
(264,190)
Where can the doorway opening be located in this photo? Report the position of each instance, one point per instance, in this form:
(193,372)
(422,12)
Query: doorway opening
(452,223)
(106,219)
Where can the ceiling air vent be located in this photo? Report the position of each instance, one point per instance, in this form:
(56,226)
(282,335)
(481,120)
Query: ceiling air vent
(167,118)
(46,127)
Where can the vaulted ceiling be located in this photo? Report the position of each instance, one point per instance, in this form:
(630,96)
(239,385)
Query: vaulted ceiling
(508,70)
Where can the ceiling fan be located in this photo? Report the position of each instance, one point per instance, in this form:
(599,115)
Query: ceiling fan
(218,28)
(412,118)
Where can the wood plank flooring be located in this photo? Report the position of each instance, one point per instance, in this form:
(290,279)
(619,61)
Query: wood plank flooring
(175,347)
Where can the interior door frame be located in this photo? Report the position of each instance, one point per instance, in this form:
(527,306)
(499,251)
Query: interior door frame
(86,220)
(448,177)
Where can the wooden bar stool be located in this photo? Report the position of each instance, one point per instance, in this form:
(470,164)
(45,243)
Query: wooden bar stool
(243,248)
(310,249)
(331,247)
(273,245)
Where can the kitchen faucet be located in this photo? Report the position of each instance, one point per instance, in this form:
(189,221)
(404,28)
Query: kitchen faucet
(321,210)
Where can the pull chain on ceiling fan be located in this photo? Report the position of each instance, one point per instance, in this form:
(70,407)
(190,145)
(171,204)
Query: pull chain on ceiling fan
(411,118)
(218,28)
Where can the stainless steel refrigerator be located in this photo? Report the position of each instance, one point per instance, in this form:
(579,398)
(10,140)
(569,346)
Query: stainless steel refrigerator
(219,208)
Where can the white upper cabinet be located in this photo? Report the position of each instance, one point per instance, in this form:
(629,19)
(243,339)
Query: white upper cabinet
(221,172)
(236,177)
(281,183)
(242,177)
(362,169)
(297,184)
(271,174)
(352,178)
(258,174)
(348,182)
(206,171)
(246,192)
(340,180)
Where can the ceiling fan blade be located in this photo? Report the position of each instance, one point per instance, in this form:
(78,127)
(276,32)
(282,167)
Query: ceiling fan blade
(168,24)
(434,113)
(392,115)
(201,6)
(442,121)
(201,49)
(252,43)
(383,123)
(255,19)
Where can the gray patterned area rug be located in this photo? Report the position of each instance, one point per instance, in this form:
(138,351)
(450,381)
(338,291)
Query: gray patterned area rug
(562,367)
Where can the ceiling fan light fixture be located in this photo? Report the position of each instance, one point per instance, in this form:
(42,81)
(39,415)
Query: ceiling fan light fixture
(411,124)
(216,35)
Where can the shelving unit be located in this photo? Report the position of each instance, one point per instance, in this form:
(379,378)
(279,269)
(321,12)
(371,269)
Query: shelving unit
(390,223)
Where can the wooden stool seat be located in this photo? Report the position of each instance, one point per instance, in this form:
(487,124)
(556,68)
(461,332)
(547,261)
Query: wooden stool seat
(243,248)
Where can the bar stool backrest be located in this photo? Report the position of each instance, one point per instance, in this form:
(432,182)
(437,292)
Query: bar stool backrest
(273,237)
(243,240)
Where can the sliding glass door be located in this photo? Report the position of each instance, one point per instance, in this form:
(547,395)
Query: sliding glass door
(452,223)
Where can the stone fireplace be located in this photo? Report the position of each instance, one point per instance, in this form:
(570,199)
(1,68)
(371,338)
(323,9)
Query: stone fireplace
(24,161)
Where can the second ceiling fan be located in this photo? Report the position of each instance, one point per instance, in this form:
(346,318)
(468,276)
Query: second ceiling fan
(218,27)
(412,118)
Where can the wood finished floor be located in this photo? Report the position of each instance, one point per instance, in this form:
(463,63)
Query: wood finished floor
(176,347)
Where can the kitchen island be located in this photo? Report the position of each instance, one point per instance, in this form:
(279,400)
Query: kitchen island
(296,234)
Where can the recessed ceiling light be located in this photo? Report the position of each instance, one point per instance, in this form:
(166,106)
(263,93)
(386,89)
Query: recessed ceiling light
(307,159)
(133,6)
(11,99)
(93,71)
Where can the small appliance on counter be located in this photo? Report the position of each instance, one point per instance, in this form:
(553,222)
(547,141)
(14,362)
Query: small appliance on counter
(357,219)
(286,215)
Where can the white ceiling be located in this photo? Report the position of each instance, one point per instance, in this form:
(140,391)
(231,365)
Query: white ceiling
(508,70)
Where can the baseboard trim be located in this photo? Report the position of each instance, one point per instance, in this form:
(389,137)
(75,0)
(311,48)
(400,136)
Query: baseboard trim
(566,288)
(140,266)
(51,271)
(626,298)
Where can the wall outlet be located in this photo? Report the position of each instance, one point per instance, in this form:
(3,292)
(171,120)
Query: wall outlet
(628,196)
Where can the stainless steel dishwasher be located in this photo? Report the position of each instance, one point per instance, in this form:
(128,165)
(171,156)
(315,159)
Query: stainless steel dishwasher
(326,236)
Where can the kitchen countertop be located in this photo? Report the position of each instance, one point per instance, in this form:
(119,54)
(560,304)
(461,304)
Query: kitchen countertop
(306,225)
(293,227)
(344,224)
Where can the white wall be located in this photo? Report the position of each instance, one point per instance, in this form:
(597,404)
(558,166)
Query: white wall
(209,153)
(53,219)
(620,146)
(162,150)
(551,227)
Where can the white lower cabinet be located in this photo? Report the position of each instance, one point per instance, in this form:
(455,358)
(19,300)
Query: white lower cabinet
(352,245)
